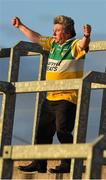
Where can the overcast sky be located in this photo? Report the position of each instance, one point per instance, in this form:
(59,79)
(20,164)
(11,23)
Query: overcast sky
(38,15)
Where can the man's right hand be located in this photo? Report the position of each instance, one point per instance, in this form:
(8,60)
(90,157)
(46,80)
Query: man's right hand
(16,22)
(30,34)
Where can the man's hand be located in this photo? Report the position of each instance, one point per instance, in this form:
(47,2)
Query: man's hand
(84,43)
(30,34)
(16,22)
(86,30)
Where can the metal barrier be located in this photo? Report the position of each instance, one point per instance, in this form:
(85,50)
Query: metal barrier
(94,80)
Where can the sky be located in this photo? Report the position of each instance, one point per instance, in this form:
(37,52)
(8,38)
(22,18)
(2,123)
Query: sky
(38,15)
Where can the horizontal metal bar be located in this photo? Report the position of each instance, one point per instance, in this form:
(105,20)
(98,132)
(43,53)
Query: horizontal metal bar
(52,85)
(97,46)
(98,86)
(39,86)
(51,151)
(56,151)
(32,54)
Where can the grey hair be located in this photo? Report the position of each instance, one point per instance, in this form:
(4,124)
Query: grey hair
(67,23)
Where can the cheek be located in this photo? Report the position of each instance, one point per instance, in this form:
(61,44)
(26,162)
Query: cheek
(60,35)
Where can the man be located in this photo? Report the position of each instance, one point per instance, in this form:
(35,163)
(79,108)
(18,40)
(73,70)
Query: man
(65,61)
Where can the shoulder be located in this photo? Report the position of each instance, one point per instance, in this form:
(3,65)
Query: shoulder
(76,50)
(75,42)
(46,39)
(46,42)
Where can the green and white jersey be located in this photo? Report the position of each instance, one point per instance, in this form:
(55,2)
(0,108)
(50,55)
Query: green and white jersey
(63,63)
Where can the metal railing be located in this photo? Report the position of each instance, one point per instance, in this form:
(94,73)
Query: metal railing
(94,152)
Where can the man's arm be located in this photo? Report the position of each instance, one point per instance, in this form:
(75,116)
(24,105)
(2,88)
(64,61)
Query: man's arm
(31,35)
(84,43)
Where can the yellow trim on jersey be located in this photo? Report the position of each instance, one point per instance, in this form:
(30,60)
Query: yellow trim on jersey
(66,95)
(46,42)
(63,75)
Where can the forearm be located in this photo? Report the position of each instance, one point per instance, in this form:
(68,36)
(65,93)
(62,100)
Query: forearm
(31,35)
(84,43)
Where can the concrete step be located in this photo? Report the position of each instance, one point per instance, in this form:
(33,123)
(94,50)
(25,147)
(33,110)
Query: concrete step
(23,175)
(42,176)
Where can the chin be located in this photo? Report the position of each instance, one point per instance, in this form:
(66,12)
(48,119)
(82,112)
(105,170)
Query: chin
(57,41)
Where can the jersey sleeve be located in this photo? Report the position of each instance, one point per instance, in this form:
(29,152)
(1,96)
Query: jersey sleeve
(77,52)
(46,42)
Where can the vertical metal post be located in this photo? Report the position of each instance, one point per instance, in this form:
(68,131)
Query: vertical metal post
(39,96)
(81,125)
(7,112)
(102,129)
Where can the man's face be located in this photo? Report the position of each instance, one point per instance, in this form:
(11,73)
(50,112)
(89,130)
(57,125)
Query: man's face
(59,35)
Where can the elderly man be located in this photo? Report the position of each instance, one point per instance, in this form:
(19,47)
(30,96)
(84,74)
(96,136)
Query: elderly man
(65,61)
